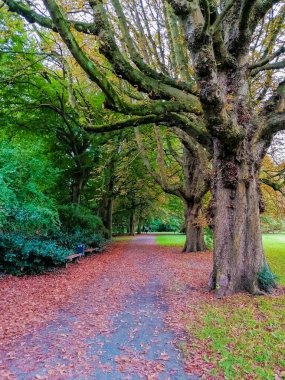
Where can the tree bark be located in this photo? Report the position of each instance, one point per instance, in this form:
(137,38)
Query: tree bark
(132,223)
(107,217)
(238,251)
(194,231)
(76,190)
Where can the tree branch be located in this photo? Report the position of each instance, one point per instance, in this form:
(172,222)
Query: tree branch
(207,15)
(180,7)
(154,88)
(132,122)
(116,101)
(222,15)
(170,189)
(267,59)
(260,10)
(31,16)
(244,18)
(194,128)
(138,60)
(274,185)
(275,123)
(269,66)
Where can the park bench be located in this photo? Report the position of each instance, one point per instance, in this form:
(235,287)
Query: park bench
(72,258)
(76,256)
(91,250)
(80,250)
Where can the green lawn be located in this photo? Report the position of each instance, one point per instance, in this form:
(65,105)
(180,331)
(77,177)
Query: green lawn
(171,240)
(243,337)
(274,245)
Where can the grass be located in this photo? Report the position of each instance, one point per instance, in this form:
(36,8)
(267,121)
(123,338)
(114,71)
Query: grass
(242,336)
(170,240)
(274,245)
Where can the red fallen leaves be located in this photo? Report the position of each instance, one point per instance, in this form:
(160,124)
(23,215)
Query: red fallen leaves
(164,356)
(185,279)
(29,301)
(137,364)
(103,281)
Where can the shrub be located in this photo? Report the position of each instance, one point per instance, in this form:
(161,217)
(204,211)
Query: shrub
(266,279)
(20,254)
(29,219)
(71,239)
(25,204)
(74,217)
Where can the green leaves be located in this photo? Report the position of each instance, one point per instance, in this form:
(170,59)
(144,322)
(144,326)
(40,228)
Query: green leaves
(23,200)
(20,254)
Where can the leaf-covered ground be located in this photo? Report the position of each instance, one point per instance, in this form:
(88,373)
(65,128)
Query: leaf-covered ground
(136,311)
(105,318)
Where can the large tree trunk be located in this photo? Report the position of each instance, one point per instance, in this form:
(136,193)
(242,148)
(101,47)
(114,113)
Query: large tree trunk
(238,251)
(194,231)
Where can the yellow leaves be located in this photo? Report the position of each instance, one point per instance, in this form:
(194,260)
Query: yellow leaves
(201,221)
(274,200)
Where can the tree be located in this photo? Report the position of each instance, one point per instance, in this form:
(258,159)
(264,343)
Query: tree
(128,192)
(185,175)
(215,108)
(50,101)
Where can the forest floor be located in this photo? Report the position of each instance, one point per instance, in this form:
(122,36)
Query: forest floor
(127,313)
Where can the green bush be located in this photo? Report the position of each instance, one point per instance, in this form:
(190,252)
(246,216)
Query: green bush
(77,217)
(267,279)
(29,219)
(71,239)
(171,225)
(20,254)
(25,204)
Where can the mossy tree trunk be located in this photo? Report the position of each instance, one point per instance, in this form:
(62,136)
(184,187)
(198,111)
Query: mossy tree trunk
(238,253)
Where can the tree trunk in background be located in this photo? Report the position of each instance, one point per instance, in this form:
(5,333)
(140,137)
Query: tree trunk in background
(107,217)
(238,253)
(194,232)
(107,206)
(76,190)
(132,223)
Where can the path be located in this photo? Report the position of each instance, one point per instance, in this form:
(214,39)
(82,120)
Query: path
(111,328)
